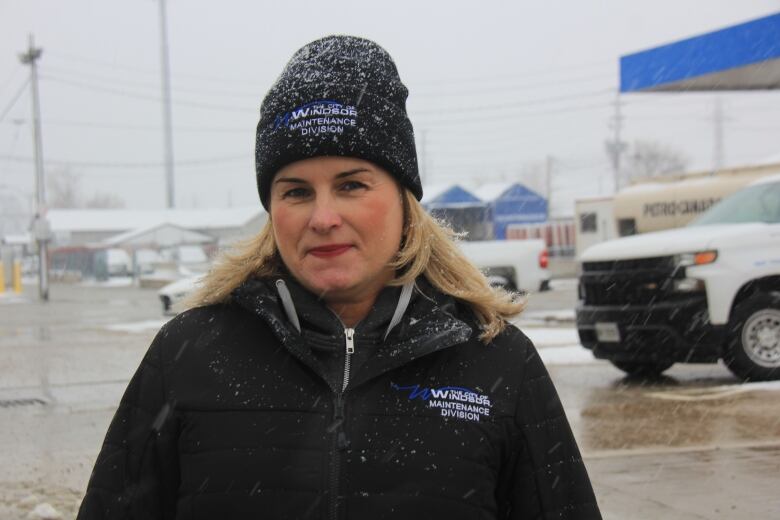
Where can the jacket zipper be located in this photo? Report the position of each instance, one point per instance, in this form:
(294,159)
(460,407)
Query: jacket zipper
(349,334)
(340,442)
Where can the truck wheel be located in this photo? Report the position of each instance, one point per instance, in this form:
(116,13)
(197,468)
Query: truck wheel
(642,368)
(753,348)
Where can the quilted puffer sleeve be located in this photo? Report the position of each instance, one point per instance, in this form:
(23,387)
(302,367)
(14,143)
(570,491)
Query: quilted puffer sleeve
(135,475)
(547,477)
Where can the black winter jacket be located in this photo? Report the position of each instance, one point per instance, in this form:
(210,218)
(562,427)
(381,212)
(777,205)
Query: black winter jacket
(236,412)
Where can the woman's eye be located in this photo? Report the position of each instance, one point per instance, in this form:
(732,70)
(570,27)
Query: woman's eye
(295,193)
(352,186)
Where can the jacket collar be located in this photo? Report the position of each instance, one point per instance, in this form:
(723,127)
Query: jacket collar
(430,323)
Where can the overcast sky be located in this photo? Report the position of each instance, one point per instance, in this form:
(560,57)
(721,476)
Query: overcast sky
(495,88)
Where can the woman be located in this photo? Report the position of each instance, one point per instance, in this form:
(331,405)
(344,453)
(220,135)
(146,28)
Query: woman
(348,362)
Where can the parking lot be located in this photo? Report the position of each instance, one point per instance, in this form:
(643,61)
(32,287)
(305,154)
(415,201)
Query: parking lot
(694,444)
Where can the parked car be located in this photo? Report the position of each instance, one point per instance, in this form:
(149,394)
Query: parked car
(175,292)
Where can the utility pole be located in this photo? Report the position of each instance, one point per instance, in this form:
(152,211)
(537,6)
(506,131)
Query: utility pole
(548,170)
(717,149)
(167,118)
(41,228)
(616,146)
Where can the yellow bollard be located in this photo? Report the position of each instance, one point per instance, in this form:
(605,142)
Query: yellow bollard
(2,277)
(18,276)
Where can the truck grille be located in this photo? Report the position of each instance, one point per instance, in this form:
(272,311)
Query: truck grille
(629,282)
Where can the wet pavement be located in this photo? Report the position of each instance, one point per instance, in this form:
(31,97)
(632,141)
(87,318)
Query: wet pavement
(691,445)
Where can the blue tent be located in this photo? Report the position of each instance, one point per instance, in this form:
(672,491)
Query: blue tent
(460,208)
(452,195)
(741,57)
(512,203)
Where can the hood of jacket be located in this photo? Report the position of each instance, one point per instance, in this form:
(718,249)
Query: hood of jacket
(397,330)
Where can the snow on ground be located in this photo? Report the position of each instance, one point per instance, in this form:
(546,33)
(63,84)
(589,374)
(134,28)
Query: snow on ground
(559,346)
(560,315)
(11,297)
(136,327)
(549,337)
(568,355)
(114,281)
(714,392)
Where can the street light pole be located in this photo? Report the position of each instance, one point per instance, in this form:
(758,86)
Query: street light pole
(167,117)
(41,228)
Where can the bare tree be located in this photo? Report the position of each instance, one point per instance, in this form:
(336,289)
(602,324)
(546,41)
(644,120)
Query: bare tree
(64,189)
(105,200)
(65,192)
(649,159)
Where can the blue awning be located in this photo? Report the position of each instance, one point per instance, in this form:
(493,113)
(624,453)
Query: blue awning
(741,57)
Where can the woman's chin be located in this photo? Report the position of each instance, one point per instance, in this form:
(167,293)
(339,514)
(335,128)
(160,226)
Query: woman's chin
(331,287)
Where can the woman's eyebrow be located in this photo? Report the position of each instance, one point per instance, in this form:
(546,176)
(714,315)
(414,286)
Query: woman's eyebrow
(352,172)
(289,179)
(338,176)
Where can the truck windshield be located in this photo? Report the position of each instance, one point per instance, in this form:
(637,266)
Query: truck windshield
(759,203)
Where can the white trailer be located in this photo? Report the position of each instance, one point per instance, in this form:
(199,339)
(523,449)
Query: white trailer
(595,221)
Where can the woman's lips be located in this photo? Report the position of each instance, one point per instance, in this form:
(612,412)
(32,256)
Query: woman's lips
(329,251)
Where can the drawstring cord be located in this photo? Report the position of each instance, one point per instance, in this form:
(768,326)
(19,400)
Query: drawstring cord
(292,315)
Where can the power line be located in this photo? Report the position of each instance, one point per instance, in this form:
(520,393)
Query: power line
(504,106)
(146,71)
(144,128)
(487,88)
(209,106)
(132,165)
(513,117)
(256,95)
(468,79)
(157,99)
(751,128)
(14,99)
(527,74)
(148,85)
(151,174)
(9,79)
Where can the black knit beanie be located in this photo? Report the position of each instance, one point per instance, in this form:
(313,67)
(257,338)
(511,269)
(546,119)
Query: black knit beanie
(341,96)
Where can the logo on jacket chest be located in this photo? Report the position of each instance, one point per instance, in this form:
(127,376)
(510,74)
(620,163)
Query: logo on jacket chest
(451,401)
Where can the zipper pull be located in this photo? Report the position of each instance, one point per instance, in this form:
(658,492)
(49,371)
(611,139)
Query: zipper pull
(342,442)
(350,335)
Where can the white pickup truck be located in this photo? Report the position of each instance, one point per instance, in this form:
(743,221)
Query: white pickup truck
(704,292)
(517,265)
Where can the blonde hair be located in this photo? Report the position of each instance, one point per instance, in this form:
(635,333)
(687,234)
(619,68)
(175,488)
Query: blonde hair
(429,248)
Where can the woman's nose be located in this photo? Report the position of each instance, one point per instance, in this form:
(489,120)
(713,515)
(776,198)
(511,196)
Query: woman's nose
(324,216)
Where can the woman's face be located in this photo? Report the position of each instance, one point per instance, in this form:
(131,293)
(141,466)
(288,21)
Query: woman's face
(337,222)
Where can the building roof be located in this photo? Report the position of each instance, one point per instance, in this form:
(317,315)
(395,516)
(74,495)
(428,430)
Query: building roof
(18,239)
(493,191)
(432,191)
(451,195)
(158,235)
(120,220)
(490,191)
(741,57)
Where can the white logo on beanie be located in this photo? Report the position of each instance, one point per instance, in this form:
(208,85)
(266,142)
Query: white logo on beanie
(318,117)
